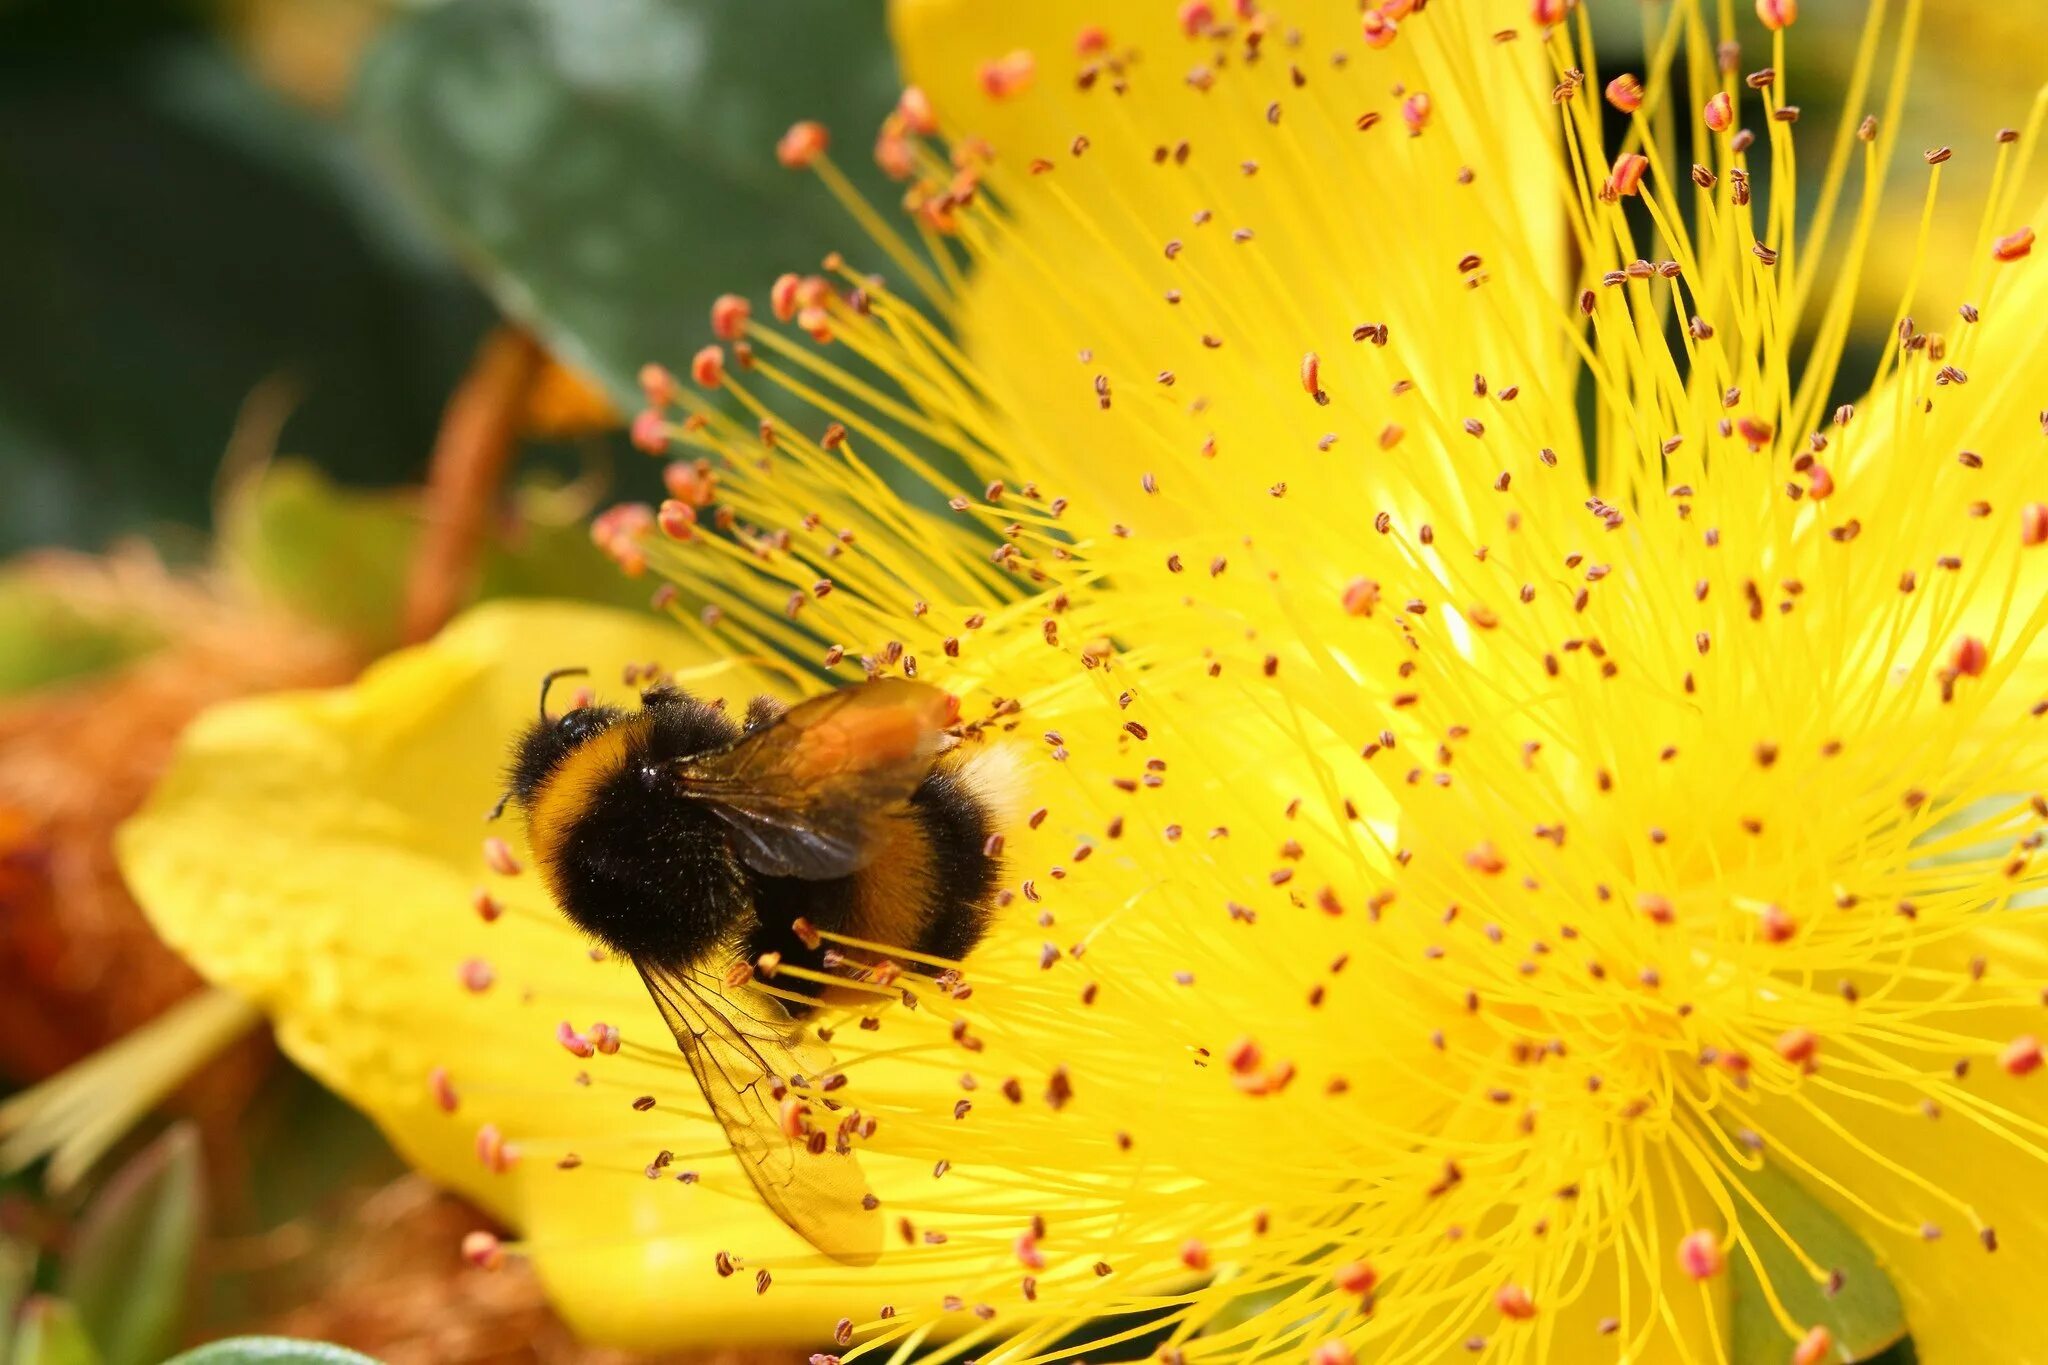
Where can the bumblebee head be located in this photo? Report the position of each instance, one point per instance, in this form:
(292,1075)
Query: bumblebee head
(549,741)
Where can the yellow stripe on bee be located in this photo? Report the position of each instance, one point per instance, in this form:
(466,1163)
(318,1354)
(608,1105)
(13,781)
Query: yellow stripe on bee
(566,793)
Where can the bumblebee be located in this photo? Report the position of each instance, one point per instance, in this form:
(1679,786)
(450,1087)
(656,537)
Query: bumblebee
(683,840)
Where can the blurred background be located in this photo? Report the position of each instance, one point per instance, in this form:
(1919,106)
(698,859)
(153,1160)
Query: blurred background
(319,320)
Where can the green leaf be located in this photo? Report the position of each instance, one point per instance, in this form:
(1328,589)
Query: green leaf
(270,1351)
(1864,1315)
(339,556)
(242,238)
(130,1263)
(608,165)
(51,1334)
(328,554)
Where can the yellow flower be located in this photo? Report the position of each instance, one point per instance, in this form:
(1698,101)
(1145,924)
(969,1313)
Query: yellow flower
(1467,902)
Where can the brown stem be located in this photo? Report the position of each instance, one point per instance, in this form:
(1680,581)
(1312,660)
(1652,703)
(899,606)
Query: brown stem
(478,431)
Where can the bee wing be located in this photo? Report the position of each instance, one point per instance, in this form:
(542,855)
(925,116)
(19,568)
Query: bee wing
(733,1049)
(808,795)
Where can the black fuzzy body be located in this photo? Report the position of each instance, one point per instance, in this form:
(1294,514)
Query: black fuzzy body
(653,876)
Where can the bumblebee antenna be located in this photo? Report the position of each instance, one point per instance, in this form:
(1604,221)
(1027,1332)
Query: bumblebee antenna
(548,680)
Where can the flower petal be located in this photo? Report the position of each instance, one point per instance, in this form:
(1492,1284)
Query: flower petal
(1319,225)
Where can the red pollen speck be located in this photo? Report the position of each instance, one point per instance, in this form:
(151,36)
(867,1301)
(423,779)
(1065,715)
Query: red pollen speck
(1008,75)
(1625,93)
(1699,1254)
(1627,176)
(483,1250)
(1514,1302)
(692,482)
(1549,12)
(1361,595)
(650,432)
(1311,377)
(572,1041)
(1355,1277)
(443,1090)
(1486,858)
(1813,1348)
(1091,40)
(804,143)
(1194,1255)
(486,906)
(492,1151)
(2034,524)
(1657,909)
(1197,17)
(1798,1045)
(729,314)
(1377,29)
(476,975)
(2013,245)
(915,107)
(1332,1351)
(1819,483)
(658,385)
(1415,111)
(1777,925)
(707,367)
(1028,1254)
(1719,113)
(2021,1056)
(677,519)
(1244,1056)
(604,1037)
(795,1117)
(1777,14)
(1970,656)
(498,857)
(782,296)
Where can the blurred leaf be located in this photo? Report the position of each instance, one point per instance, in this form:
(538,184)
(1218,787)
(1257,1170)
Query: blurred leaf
(17,1274)
(332,555)
(130,1263)
(339,556)
(175,234)
(270,1351)
(51,1334)
(1865,1315)
(608,165)
(45,638)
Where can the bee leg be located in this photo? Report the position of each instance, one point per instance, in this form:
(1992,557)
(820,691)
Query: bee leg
(763,711)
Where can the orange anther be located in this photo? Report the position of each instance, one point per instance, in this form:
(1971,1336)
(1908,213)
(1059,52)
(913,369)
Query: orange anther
(1777,14)
(729,314)
(804,143)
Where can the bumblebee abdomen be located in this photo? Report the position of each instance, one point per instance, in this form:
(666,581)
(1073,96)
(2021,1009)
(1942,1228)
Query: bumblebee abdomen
(955,823)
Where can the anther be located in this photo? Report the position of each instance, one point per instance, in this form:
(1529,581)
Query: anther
(498,857)
(1777,14)
(803,144)
(1699,1254)
(483,1250)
